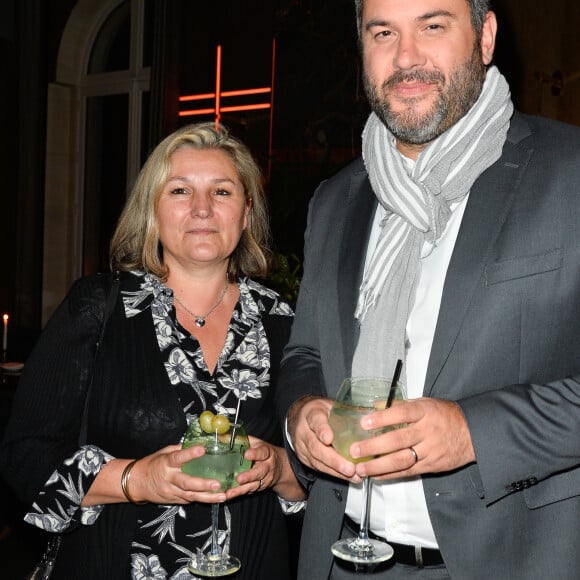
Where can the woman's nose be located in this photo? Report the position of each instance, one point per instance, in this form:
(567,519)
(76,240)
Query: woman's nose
(201,205)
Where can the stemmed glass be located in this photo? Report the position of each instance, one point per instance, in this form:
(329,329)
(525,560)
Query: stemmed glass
(225,443)
(358,397)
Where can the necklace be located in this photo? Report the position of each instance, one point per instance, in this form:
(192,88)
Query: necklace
(200,319)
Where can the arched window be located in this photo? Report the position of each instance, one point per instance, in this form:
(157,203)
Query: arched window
(115,96)
(98,109)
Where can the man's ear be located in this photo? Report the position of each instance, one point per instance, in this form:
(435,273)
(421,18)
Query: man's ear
(488,35)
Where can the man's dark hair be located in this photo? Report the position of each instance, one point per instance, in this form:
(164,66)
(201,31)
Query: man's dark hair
(478,9)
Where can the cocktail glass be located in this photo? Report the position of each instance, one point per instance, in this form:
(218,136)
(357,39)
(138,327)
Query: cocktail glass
(223,460)
(358,397)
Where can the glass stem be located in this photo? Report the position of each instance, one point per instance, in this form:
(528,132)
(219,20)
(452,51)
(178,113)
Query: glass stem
(363,534)
(215,549)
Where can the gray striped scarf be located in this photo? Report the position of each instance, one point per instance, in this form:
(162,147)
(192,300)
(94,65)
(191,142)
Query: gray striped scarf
(418,207)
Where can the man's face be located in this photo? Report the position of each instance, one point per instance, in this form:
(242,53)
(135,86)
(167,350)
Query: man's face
(424,67)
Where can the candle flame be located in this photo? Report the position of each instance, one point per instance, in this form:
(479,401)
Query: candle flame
(5,317)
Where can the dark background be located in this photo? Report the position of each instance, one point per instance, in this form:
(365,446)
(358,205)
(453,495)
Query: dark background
(318,116)
(319,105)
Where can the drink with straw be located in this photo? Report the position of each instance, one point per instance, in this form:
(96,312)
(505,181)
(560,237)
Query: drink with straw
(225,443)
(223,459)
(357,397)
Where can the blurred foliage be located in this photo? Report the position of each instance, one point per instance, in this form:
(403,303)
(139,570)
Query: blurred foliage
(285,276)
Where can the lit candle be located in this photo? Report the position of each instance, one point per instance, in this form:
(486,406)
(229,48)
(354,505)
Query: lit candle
(5,336)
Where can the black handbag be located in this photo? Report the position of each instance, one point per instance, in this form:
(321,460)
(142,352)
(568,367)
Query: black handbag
(44,568)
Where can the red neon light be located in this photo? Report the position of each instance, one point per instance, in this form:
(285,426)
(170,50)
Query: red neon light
(226,94)
(218,95)
(246,108)
(271,107)
(191,112)
(246,92)
(218,80)
(196,112)
(197,97)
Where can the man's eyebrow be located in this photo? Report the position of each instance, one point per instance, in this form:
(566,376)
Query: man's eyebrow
(435,14)
(372,23)
(427,16)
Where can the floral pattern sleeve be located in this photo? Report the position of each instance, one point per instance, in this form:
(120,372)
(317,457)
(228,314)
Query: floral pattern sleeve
(58,506)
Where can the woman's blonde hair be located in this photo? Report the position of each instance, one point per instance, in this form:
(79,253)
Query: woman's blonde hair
(135,244)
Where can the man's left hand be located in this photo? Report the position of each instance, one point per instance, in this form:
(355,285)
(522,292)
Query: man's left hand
(435,439)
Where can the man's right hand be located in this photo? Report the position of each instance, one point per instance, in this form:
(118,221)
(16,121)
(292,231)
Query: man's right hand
(311,438)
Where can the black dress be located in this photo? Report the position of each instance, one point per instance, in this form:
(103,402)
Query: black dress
(150,380)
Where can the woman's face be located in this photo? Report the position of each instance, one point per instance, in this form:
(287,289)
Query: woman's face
(202,209)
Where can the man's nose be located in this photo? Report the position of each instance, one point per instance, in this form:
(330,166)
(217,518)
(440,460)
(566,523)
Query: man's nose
(409,53)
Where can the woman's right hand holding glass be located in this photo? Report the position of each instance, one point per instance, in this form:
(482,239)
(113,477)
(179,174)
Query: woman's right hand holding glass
(158,478)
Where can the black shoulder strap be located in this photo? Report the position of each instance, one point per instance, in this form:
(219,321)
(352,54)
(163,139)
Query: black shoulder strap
(109,306)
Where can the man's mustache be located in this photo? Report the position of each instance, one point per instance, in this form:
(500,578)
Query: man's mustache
(421,76)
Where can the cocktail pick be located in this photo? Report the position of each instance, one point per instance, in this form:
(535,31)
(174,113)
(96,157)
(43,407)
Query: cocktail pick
(394,382)
(233,435)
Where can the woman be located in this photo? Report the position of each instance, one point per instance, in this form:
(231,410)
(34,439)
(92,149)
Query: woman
(190,332)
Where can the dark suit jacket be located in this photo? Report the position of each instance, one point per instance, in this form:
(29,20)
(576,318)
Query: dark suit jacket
(506,348)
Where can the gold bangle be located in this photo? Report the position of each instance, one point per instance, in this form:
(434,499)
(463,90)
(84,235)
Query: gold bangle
(125,483)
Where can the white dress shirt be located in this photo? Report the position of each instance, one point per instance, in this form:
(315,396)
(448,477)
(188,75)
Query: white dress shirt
(398,508)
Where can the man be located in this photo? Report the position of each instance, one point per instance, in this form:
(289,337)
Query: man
(453,245)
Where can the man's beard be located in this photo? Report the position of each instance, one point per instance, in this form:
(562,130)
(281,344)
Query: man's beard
(452,103)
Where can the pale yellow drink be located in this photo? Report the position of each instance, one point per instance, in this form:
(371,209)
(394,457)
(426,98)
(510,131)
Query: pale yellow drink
(345,424)
(357,397)
(345,419)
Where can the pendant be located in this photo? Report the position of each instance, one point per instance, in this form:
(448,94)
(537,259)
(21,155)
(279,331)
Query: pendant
(200,322)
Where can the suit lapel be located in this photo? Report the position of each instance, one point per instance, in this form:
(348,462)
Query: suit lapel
(360,211)
(487,207)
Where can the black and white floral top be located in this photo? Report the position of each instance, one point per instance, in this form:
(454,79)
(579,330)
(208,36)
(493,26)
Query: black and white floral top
(167,535)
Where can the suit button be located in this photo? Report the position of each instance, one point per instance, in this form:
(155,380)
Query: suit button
(338,494)
(533,480)
(510,488)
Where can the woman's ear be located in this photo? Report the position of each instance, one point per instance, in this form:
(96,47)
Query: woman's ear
(249,205)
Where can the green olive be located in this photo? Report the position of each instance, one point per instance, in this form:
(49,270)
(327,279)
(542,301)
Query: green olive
(221,424)
(206,421)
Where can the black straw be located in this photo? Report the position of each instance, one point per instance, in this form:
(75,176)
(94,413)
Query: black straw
(394,382)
